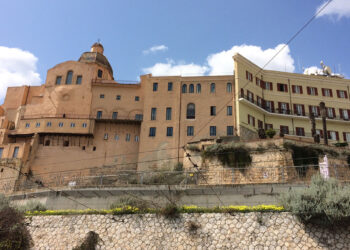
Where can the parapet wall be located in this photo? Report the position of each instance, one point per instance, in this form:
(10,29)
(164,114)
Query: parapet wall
(214,231)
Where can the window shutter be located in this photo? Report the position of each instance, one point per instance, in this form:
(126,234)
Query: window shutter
(263,84)
(337,135)
(322,91)
(279,107)
(248,119)
(301,89)
(286,87)
(344,136)
(338,93)
(318,111)
(346,94)
(246,74)
(321,133)
(295,108)
(303,131)
(331,92)
(316,91)
(263,103)
(253,121)
(310,109)
(278,86)
(252,97)
(242,92)
(288,110)
(328,134)
(349,113)
(341,113)
(334,114)
(293,88)
(303,109)
(273,106)
(308,90)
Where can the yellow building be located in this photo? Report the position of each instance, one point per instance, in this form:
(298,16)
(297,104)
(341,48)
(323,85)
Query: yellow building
(83,122)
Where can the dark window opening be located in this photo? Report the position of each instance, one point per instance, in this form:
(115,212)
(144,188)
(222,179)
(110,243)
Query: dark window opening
(170,86)
(153,114)
(212,110)
(155,86)
(58,80)
(191,111)
(69,77)
(65,143)
(190,131)
(114,115)
(99,73)
(137,98)
(83,147)
(118,97)
(94,148)
(79,80)
(169,131)
(184,88)
(191,88)
(47,143)
(212,88)
(212,130)
(152,131)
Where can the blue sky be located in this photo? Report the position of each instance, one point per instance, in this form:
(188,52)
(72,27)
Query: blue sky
(189,30)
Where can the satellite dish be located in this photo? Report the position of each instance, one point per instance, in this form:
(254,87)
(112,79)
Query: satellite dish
(326,69)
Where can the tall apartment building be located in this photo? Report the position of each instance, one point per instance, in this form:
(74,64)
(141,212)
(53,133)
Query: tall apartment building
(82,120)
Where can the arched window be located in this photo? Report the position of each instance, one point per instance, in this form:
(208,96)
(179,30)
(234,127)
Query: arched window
(191,88)
(184,88)
(198,88)
(69,77)
(191,111)
(212,88)
(99,73)
(229,87)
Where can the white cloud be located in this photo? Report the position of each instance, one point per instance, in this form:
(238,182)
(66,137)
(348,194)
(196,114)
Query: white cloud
(17,67)
(155,49)
(222,63)
(171,68)
(337,8)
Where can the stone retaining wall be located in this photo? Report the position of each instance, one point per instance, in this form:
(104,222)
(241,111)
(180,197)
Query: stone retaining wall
(215,231)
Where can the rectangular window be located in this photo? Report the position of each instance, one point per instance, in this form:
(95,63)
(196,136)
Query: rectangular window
(169,131)
(60,124)
(344,113)
(118,97)
(99,115)
(127,138)
(259,101)
(342,94)
(58,80)
(251,120)
(212,110)
(284,130)
(315,110)
(15,152)
(72,125)
(330,112)
(346,137)
(299,109)
(283,107)
(312,91)
(268,106)
(297,89)
(102,96)
(105,136)
(84,125)
(170,86)
(79,80)
(153,114)
(268,85)
(155,86)
(300,131)
(138,117)
(229,110)
(152,131)
(27,125)
(212,131)
(333,135)
(48,124)
(229,87)
(319,132)
(249,76)
(258,81)
(168,114)
(250,96)
(282,87)
(137,98)
(37,124)
(137,138)
(190,130)
(116,137)
(229,130)
(327,92)
(114,115)
(1,151)
(268,126)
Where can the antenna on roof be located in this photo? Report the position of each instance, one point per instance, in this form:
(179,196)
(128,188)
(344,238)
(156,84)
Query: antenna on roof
(98,40)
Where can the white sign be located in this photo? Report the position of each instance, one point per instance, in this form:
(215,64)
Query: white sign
(324,171)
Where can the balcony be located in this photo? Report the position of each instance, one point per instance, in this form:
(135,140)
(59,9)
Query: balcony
(286,112)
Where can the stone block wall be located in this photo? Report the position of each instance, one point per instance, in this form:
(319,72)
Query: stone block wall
(214,231)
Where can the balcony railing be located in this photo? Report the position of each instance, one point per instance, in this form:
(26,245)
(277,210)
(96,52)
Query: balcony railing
(137,117)
(288,111)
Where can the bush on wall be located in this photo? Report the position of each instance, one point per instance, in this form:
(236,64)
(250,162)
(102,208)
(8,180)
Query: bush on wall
(324,202)
(232,154)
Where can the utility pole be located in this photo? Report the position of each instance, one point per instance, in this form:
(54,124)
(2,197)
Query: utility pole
(324,122)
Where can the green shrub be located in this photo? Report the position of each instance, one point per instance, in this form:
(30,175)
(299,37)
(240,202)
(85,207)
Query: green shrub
(179,167)
(32,206)
(193,147)
(89,243)
(261,133)
(130,201)
(231,154)
(13,232)
(164,177)
(324,202)
(270,133)
(341,144)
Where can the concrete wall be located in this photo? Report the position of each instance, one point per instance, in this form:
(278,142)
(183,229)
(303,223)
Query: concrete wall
(214,231)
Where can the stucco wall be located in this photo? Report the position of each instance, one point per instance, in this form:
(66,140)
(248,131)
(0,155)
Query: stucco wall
(215,231)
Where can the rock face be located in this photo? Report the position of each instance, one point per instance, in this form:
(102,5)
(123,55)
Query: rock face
(189,231)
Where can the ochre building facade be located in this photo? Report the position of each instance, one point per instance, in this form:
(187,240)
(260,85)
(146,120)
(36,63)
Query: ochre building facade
(84,122)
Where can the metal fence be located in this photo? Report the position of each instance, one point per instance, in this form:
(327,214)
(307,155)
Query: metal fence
(129,178)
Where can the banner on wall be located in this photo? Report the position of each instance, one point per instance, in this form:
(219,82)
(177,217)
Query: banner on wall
(324,170)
